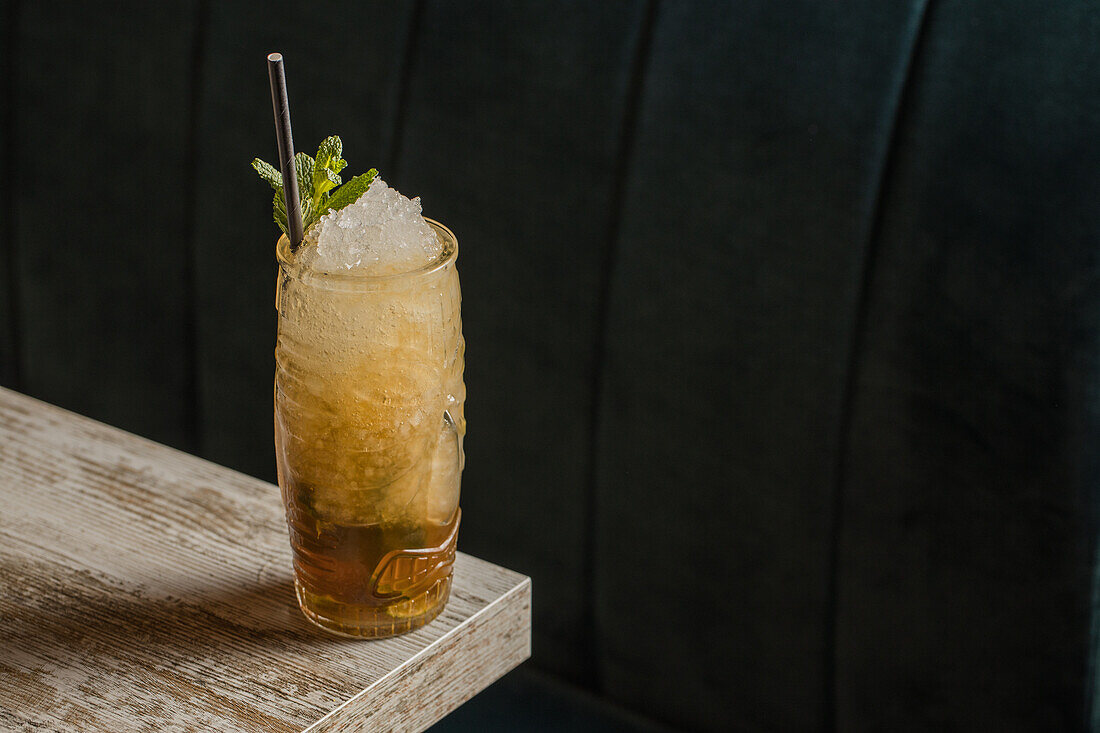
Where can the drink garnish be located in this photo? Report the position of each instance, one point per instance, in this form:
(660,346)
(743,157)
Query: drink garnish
(319,183)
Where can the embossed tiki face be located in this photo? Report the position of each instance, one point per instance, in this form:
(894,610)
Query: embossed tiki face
(411,572)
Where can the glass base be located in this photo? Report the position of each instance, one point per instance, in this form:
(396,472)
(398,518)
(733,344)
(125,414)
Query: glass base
(373,622)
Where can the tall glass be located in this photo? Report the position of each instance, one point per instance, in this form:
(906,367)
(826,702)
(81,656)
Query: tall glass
(368,439)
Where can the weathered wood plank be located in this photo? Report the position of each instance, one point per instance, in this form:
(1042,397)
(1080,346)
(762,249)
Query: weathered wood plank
(141,586)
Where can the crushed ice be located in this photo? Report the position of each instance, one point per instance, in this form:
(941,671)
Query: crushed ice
(382,233)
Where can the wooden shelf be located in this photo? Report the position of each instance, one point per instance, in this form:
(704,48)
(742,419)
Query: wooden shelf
(142,588)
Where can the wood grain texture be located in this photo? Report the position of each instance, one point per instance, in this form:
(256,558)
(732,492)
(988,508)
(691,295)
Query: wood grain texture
(142,587)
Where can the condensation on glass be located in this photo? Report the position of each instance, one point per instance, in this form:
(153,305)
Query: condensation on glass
(368,436)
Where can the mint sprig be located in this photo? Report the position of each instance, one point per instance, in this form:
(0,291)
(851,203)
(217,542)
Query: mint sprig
(319,183)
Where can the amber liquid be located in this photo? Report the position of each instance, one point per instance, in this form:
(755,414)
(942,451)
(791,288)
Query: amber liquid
(368,440)
(347,584)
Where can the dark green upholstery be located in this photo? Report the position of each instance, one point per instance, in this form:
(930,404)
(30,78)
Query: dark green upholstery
(971,484)
(511,126)
(732,311)
(98,133)
(783,319)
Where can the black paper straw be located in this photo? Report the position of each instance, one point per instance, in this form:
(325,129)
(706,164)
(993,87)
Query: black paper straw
(285,140)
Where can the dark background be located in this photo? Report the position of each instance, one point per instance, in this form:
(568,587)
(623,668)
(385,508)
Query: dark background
(783,318)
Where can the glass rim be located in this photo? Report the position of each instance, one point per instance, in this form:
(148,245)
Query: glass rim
(446,257)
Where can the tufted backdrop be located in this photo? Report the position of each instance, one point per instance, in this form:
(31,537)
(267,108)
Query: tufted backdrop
(783,319)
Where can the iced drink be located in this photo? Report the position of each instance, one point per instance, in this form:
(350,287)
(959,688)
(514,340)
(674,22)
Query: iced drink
(369,414)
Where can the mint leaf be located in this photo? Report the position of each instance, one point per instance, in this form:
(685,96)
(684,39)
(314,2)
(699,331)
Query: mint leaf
(350,191)
(324,180)
(329,151)
(319,188)
(268,173)
(279,208)
(303,166)
(326,172)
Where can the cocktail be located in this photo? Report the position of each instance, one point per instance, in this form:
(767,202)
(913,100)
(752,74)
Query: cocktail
(368,401)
